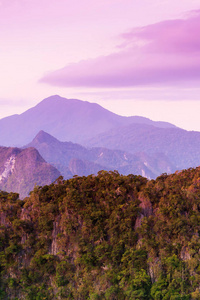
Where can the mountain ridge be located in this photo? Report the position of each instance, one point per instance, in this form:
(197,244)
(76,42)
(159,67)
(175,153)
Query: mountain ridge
(182,147)
(81,138)
(66,119)
(60,154)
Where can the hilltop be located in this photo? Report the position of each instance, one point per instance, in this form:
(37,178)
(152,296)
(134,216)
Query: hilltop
(103,237)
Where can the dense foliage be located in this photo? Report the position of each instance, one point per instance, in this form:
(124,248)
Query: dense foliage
(103,237)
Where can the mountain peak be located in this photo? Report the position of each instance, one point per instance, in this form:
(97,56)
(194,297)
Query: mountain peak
(66,119)
(58,100)
(44,137)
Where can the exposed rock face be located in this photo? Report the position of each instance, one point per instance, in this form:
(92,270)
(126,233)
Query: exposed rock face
(185,255)
(146,206)
(9,168)
(21,170)
(154,268)
(54,248)
(146,210)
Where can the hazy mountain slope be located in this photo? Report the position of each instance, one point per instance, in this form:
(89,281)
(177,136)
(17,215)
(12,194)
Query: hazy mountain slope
(180,146)
(69,158)
(74,159)
(66,119)
(21,170)
(55,151)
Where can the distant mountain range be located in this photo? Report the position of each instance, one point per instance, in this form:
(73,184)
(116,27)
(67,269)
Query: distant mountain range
(73,159)
(180,146)
(75,137)
(66,119)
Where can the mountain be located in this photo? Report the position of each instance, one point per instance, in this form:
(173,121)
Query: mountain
(181,147)
(21,170)
(107,139)
(103,237)
(69,158)
(66,119)
(73,159)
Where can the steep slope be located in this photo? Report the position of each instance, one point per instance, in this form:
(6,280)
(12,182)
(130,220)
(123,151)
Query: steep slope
(74,159)
(180,146)
(69,158)
(66,119)
(103,237)
(21,170)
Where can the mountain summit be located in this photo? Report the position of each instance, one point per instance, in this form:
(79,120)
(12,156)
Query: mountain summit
(66,119)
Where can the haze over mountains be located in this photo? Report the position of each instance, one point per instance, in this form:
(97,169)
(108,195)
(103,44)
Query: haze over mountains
(75,137)
(66,119)
(73,159)
(180,146)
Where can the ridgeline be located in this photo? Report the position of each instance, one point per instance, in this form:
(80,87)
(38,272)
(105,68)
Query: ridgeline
(103,237)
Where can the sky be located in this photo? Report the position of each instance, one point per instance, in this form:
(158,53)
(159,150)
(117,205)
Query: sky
(133,57)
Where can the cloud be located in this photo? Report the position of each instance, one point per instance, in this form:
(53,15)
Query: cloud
(174,36)
(165,53)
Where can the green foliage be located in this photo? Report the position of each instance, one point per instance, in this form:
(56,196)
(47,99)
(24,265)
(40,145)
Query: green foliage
(103,237)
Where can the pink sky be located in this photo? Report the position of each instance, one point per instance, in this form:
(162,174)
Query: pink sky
(164,53)
(138,57)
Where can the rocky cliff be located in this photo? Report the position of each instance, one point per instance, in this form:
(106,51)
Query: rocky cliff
(21,170)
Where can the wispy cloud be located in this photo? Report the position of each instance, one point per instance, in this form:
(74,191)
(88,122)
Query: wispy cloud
(163,53)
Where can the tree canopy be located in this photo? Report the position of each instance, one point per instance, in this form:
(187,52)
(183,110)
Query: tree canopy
(103,237)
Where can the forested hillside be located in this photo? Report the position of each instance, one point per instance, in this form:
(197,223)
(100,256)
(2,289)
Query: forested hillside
(103,237)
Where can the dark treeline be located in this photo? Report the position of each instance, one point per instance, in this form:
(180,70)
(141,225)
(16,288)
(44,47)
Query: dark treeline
(103,237)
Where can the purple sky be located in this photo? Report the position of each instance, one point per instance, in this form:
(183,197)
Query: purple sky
(138,57)
(164,53)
